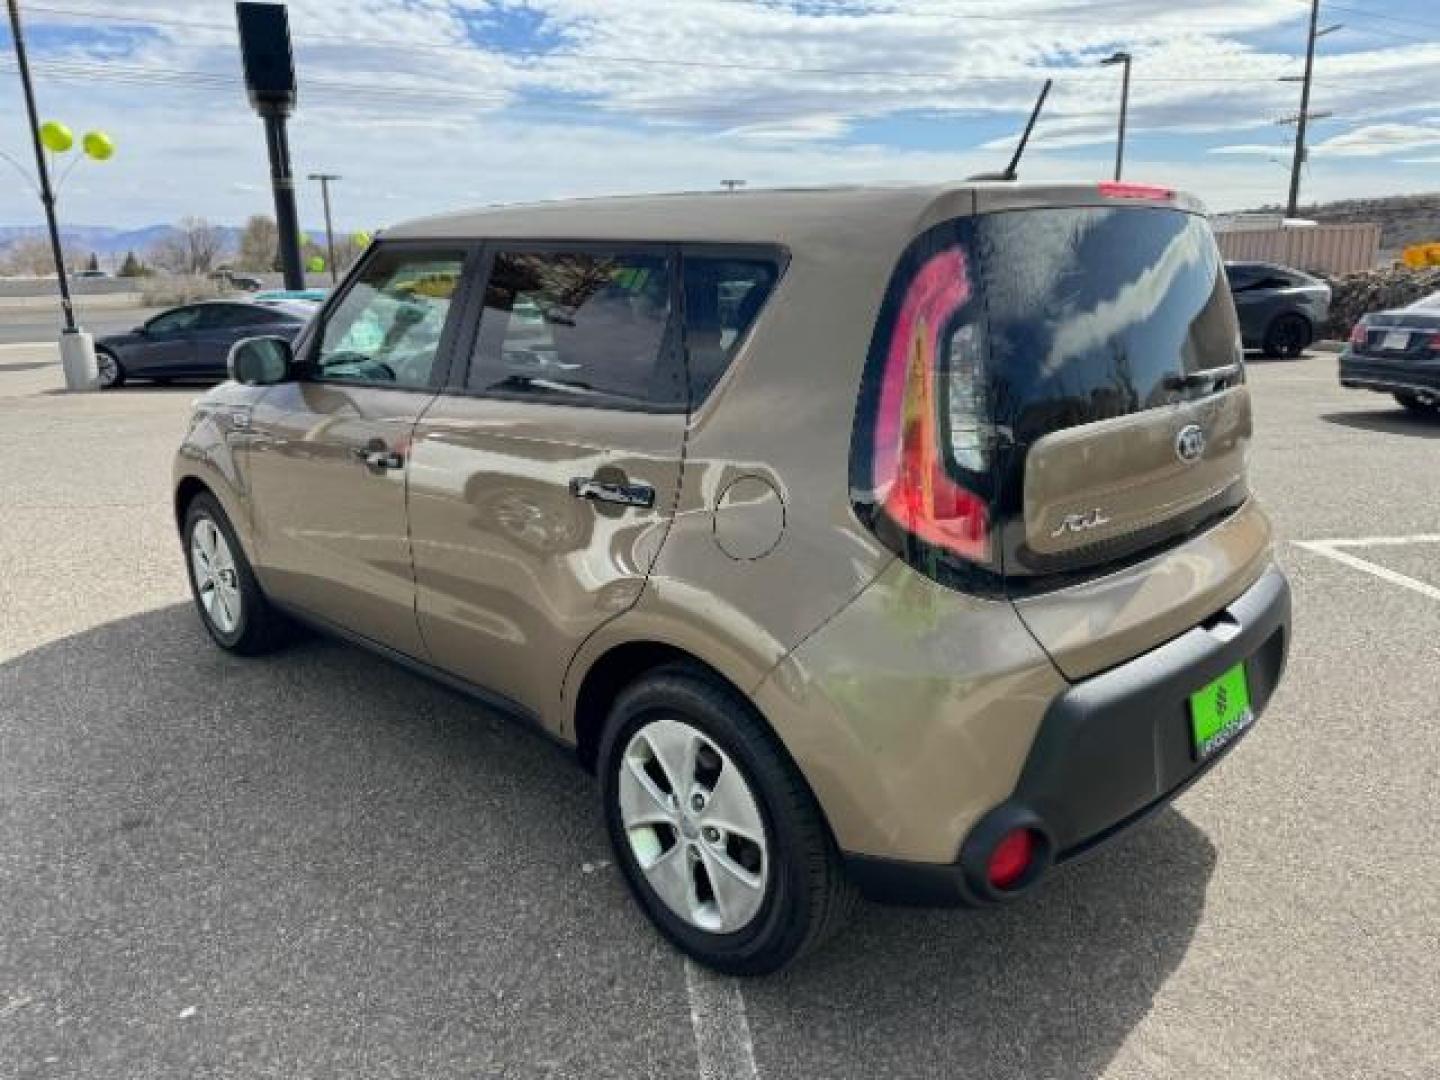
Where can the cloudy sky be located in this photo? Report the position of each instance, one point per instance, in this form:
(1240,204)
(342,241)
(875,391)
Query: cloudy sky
(425,105)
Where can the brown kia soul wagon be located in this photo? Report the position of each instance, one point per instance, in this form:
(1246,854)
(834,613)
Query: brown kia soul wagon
(881,541)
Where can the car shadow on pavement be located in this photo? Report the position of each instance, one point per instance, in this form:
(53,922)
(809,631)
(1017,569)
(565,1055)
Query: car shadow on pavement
(1050,986)
(307,864)
(343,869)
(1394,422)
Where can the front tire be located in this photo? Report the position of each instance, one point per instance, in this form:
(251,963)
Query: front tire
(227,596)
(720,839)
(107,366)
(1288,336)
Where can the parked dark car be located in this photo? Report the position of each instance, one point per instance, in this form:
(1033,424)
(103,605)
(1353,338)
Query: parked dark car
(1397,352)
(193,341)
(1281,310)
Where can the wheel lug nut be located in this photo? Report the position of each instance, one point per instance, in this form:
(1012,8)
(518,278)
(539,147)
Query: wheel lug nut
(697,802)
(712,834)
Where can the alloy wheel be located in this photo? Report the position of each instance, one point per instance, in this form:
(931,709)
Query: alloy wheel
(694,826)
(216,581)
(107,369)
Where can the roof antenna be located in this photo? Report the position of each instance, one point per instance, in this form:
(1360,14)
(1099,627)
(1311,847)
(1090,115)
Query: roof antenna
(1010,173)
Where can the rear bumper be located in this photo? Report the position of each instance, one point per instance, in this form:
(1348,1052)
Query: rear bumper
(1389,376)
(1110,750)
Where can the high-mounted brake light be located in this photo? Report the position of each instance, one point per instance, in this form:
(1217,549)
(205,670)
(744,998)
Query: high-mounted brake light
(1114,189)
(910,478)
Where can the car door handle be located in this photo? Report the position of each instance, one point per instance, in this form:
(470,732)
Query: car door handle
(587,487)
(378,459)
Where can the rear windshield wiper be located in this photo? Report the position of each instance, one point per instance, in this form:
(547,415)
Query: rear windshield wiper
(1192,379)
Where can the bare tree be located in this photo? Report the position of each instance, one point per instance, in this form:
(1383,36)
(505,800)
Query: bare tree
(259,244)
(31,257)
(193,247)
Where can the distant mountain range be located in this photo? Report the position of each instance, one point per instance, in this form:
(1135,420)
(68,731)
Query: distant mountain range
(108,241)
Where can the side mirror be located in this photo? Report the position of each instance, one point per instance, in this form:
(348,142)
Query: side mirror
(261,361)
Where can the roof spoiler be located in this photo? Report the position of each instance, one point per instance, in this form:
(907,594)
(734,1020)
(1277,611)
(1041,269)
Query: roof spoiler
(1011,173)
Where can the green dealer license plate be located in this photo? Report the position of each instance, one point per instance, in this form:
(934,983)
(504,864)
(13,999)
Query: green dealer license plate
(1220,712)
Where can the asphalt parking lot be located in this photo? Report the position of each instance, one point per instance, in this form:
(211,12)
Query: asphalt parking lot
(318,865)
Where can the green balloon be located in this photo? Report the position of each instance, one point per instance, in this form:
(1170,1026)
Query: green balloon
(316,264)
(360,238)
(98,145)
(56,136)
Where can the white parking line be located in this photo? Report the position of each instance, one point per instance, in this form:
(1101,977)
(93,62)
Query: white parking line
(722,1033)
(1331,549)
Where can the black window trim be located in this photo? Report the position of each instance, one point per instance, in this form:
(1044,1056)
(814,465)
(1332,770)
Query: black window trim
(456,323)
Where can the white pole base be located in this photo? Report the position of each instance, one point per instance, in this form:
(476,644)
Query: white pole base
(77,357)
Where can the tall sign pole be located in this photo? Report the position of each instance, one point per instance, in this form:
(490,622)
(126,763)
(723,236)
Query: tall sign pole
(270,81)
(47,193)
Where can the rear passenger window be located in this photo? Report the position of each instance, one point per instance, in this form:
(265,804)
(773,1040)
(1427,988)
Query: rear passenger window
(580,328)
(722,298)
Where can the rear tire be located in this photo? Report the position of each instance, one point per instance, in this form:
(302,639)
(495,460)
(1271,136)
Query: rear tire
(781,893)
(1288,336)
(107,366)
(227,596)
(1415,405)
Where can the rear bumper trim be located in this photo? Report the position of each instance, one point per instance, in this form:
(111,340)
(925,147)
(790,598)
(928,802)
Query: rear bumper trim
(1112,749)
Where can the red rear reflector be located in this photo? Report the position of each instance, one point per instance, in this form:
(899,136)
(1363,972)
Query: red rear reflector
(1011,858)
(1114,190)
(1359,335)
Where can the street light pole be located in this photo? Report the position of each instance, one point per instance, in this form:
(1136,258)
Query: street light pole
(1121,58)
(47,193)
(325,179)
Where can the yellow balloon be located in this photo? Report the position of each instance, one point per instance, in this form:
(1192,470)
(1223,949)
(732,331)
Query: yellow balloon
(98,145)
(316,264)
(56,136)
(360,238)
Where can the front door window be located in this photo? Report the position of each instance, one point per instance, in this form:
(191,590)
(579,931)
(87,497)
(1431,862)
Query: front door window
(387,328)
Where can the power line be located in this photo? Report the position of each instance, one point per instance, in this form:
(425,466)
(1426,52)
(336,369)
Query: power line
(475,51)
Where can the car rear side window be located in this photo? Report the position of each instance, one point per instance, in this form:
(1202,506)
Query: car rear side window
(579,327)
(723,297)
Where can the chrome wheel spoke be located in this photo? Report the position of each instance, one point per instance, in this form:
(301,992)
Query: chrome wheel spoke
(673,747)
(641,801)
(673,881)
(732,807)
(737,891)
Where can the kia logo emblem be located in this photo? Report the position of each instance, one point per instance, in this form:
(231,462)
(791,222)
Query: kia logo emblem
(1190,444)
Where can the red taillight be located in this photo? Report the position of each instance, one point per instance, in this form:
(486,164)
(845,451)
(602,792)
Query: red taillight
(1359,335)
(1113,189)
(1434,342)
(912,483)
(1011,858)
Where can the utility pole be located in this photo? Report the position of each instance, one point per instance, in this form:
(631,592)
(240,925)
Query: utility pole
(325,179)
(1292,208)
(1121,58)
(47,193)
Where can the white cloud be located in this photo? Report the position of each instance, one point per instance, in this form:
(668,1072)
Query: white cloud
(398,98)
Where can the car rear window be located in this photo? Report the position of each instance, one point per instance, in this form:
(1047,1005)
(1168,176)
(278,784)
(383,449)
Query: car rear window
(1094,313)
(723,296)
